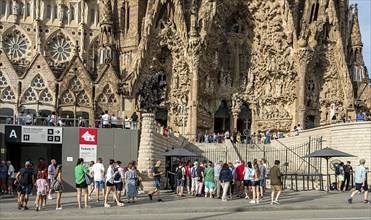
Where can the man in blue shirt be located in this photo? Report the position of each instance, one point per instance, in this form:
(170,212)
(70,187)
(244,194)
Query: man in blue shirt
(360,179)
(156,172)
(360,116)
(51,171)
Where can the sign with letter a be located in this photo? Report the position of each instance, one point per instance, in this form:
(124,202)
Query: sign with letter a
(13,134)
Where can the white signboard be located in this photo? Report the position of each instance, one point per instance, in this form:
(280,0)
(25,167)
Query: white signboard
(46,135)
(88,152)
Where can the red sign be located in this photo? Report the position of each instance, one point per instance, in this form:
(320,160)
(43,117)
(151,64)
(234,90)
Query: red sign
(88,136)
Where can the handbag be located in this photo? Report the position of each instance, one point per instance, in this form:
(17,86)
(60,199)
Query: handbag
(88,179)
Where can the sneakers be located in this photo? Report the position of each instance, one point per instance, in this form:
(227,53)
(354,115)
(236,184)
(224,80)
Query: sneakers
(107,205)
(37,208)
(121,204)
(20,206)
(276,202)
(272,203)
(247,197)
(366,202)
(58,208)
(160,200)
(252,201)
(50,197)
(89,197)
(350,200)
(257,202)
(150,196)
(25,208)
(44,204)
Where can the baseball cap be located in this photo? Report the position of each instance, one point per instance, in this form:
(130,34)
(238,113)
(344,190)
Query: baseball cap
(27,163)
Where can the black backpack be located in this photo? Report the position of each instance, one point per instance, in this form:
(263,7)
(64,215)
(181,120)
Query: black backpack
(26,177)
(117,176)
(337,170)
(179,173)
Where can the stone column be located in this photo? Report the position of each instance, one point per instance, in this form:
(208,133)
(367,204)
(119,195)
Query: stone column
(147,150)
(252,107)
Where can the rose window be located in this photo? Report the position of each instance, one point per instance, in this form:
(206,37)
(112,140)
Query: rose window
(46,96)
(60,49)
(30,95)
(8,94)
(38,82)
(3,81)
(82,98)
(16,44)
(75,84)
(67,97)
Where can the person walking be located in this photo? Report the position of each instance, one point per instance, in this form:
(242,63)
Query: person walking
(188,176)
(81,185)
(263,172)
(98,172)
(276,184)
(180,176)
(247,179)
(217,169)
(26,180)
(3,174)
(60,188)
(51,171)
(11,177)
(360,179)
(41,189)
(194,178)
(340,176)
(156,173)
(201,174)
(348,169)
(256,176)
(240,178)
(225,178)
(91,186)
(118,180)
(131,183)
(111,173)
(209,180)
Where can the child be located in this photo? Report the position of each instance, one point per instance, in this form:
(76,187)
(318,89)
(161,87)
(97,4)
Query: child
(42,188)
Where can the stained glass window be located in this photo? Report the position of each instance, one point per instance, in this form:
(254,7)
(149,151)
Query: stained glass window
(8,94)
(67,97)
(60,49)
(38,82)
(16,44)
(3,81)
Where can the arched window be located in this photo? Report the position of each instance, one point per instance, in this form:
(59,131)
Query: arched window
(83,99)
(30,95)
(46,96)
(3,81)
(67,97)
(75,84)
(38,82)
(8,94)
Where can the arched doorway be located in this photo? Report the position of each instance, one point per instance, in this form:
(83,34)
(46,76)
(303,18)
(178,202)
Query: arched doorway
(222,118)
(244,122)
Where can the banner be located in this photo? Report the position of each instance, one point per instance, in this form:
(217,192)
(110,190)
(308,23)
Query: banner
(88,144)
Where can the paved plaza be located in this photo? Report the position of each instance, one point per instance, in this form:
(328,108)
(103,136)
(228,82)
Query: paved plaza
(294,205)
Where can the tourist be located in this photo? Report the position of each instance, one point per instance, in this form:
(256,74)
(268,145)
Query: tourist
(295,132)
(217,169)
(256,177)
(59,188)
(11,177)
(360,179)
(194,178)
(226,135)
(225,178)
(350,119)
(53,119)
(105,119)
(188,176)
(156,173)
(360,116)
(26,180)
(300,128)
(263,172)
(259,137)
(127,122)
(131,184)
(51,171)
(139,177)
(209,180)
(42,164)
(276,184)
(118,179)
(98,172)
(91,186)
(239,178)
(41,189)
(201,174)
(114,121)
(340,176)
(3,174)
(81,185)
(112,173)
(247,179)
(264,162)
(253,138)
(231,186)
(134,120)
(180,179)
(348,169)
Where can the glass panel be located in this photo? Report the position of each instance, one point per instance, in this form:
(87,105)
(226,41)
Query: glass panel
(11,7)
(72,13)
(28,9)
(92,15)
(49,11)
(55,12)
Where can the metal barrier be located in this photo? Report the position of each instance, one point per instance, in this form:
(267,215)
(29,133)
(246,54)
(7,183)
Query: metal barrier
(308,181)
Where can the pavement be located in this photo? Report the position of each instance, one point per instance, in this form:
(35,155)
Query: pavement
(290,201)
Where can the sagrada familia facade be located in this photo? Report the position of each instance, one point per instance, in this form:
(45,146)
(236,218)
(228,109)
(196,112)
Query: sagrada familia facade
(199,65)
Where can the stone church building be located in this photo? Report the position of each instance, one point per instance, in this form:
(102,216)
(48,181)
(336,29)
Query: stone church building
(199,65)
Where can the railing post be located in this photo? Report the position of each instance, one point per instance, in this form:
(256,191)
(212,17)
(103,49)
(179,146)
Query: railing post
(310,139)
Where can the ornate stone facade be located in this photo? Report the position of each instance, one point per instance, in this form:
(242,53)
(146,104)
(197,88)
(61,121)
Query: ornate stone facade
(197,64)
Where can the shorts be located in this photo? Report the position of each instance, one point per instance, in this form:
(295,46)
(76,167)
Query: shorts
(256,183)
(108,183)
(180,182)
(247,182)
(359,186)
(41,193)
(157,184)
(10,182)
(26,190)
(82,185)
(262,182)
(119,186)
(276,188)
(209,185)
(340,177)
(99,184)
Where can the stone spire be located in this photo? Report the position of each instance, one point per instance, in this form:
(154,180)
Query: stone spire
(356,37)
(106,37)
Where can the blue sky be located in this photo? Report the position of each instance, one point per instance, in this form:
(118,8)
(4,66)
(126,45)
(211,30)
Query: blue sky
(364,14)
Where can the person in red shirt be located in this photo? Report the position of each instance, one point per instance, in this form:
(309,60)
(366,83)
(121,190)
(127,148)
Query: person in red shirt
(188,176)
(239,173)
(42,166)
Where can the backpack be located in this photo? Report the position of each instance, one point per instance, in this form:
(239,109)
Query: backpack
(337,170)
(26,177)
(117,175)
(56,185)
(179,173)
(193,172)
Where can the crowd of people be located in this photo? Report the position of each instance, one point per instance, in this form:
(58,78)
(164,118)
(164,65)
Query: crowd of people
(245,180)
